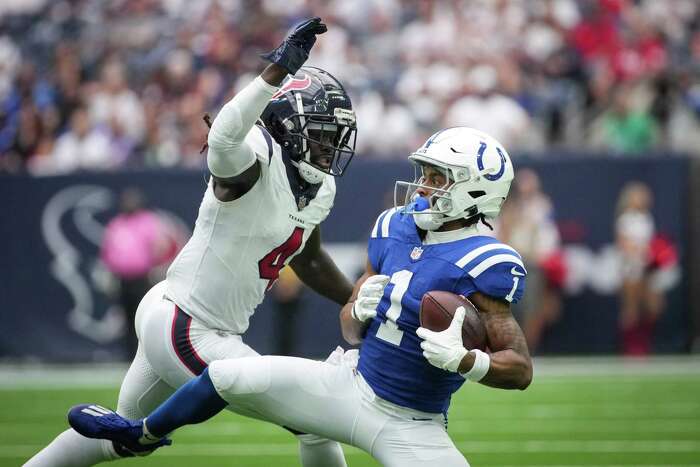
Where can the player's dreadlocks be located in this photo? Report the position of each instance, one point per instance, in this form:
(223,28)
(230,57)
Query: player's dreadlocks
(484,221)
(207,120)
(475,220)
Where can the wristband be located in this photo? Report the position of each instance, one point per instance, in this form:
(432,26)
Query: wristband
(482,363)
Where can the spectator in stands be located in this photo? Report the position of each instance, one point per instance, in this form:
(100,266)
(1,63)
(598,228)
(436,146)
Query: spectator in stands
(113,105)
(82,147)
(133,244)
(527,224)
(626,127)
(488,110)
(531,73)
(640,302)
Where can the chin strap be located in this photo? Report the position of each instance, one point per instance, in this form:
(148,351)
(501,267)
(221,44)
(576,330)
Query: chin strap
(481,217)
(310,173)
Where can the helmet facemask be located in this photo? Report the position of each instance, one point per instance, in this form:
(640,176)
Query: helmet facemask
(311,117)
(322,144)
(431,212)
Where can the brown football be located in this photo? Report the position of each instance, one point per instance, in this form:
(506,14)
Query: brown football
(437,309)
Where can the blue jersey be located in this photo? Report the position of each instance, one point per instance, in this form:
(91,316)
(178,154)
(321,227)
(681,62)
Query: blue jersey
(391,360)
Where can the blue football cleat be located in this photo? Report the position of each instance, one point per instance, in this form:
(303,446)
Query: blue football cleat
(95,421)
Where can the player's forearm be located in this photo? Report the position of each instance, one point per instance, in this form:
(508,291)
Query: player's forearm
(317,270)
(274,74)
(510,366)
(329,282)
(353,330)
(326,279)
(507,370)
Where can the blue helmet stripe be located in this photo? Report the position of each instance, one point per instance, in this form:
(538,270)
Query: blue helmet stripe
(432,138)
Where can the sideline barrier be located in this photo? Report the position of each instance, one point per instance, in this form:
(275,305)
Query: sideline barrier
(54,294)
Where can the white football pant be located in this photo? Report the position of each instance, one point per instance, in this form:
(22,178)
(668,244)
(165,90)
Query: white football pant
(332,400)
(173,349)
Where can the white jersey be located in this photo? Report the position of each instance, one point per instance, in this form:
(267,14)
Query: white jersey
(239,246)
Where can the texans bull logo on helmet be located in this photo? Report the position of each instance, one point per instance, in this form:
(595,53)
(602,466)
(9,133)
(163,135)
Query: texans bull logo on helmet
(293,84)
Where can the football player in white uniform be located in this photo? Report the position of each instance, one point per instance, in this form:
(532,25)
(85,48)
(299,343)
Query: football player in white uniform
(393,403)
(274,150)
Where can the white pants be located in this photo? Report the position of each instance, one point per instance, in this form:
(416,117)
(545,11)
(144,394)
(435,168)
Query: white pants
(332,400)
(173,349)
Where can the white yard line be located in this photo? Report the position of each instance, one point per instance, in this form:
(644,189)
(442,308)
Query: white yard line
(587,446)
(61,376)
(681,365)
(551,368)
(536,426)
(183,449)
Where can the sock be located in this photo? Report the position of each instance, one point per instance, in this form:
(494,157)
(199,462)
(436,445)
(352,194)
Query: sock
(634,341)
(70,449)
(646,327)
(195,402)
(315,451)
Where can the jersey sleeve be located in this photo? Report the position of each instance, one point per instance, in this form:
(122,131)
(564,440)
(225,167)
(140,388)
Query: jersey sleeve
(229,153)
(379,238)
(326,197)
(496,270)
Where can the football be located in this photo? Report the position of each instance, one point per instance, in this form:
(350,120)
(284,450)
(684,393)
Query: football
(437,309)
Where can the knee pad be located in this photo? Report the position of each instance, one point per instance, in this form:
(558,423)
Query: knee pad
(240,376)
(312,440)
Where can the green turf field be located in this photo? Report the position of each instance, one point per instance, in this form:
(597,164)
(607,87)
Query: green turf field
(635,418)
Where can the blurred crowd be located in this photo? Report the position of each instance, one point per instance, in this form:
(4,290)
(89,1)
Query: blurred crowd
(87,84)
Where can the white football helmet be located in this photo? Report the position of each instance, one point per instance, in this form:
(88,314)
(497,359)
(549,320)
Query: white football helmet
(478,171)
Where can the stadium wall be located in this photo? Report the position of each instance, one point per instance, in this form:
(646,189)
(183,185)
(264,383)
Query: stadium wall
(694,254)
(56,299)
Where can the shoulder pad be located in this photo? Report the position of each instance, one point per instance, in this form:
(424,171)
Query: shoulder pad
(393,223)
(496,270)
(381,226)
(261,143)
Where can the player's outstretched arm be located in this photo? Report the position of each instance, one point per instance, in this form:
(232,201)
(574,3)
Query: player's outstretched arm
(231,161)
(356,315)
(316,269)
(510,365)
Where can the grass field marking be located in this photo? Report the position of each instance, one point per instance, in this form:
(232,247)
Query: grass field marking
(198,450)
(616,366)
(664,426)
(233,429)
(589,446)
(180,449)
(636,464)
(290,449)
(553,369)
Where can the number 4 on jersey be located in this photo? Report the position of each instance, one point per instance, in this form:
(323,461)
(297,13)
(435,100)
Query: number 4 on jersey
(273,262)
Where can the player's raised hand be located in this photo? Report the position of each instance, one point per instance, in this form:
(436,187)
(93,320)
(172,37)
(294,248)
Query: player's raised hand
(294,50)
(368,297)
(445,349)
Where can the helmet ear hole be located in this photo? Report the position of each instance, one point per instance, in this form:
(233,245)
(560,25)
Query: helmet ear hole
(477,193)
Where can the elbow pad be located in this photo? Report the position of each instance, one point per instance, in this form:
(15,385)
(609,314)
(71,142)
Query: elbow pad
(228,154)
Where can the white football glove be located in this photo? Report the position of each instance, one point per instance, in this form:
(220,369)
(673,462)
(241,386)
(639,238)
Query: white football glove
(445,349)
(368,297)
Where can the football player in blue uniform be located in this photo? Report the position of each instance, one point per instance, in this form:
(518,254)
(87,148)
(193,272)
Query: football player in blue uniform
(393,403)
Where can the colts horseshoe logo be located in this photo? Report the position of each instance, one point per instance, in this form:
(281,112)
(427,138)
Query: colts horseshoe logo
(480,162)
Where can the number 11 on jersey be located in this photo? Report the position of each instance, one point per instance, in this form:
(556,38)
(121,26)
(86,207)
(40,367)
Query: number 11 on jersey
(389,331)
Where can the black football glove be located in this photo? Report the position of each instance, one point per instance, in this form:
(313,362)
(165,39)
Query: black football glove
(294,50)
